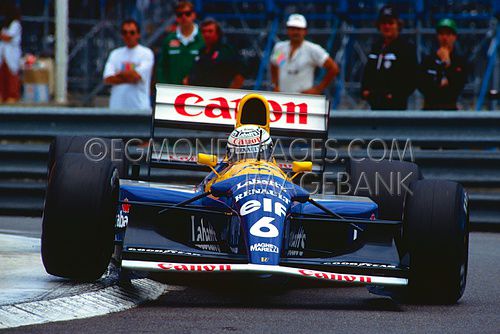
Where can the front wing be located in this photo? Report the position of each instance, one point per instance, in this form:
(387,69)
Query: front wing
(262,269)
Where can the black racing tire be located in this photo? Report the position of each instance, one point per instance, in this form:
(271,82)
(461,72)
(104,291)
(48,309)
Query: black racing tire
(436,238)
(78,144)
(367,178)
(79,217)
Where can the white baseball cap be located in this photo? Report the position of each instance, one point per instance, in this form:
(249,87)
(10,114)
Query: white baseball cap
(296,21)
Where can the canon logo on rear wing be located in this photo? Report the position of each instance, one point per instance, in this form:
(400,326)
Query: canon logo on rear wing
(219,107)
(216,106)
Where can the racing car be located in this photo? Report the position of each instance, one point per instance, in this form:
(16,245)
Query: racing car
(248,216)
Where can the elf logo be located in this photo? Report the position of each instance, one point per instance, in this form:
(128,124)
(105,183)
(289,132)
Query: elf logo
(263,227)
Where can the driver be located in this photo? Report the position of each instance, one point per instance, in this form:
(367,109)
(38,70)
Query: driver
(249,142)
(245,142)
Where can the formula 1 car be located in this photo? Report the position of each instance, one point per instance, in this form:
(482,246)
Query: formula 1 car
(247,215)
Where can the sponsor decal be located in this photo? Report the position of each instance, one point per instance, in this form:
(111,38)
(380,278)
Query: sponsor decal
(122,215)
(261,192)
(175,43)
(264,247)
(263,227)
(244,136)
(266,205)
(245,141)
(221,108)
(128,66)
(174,157)
(361,264)
(125,206)
(256,181)
(264,259)
(285,165)
(203,231)
(298,241)
(160,251)
(280,58)
(195,267)
(245,132)
(213,106)
(390,56)
(335,277)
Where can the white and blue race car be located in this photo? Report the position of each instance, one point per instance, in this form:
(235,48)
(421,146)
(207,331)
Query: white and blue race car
(248,216)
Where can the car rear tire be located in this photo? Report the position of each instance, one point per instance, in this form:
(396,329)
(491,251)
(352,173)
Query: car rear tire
(79,217)
(79,144)
(367,178)
(436,238)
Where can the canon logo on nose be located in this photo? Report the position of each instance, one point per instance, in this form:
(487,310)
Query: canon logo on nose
(192,105)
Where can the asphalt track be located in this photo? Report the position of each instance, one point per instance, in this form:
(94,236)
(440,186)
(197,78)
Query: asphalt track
(220,307)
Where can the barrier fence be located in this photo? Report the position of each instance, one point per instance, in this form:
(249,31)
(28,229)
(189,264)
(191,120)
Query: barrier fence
(458,146)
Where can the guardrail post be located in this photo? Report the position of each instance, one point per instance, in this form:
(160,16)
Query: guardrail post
(492,58)
(61,50)
(267,53)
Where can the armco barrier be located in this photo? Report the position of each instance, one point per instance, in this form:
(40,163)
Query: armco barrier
(459,146)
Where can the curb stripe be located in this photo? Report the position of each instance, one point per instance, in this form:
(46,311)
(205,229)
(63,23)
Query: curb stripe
(86,305)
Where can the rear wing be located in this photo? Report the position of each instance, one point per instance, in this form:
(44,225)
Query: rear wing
(207,113)
(292,115)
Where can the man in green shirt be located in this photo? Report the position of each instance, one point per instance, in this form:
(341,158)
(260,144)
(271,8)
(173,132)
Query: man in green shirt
(180,47)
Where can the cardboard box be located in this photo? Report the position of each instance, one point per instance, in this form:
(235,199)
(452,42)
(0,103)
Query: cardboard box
(35,92)
(36,85)
(48,64)
(36,76)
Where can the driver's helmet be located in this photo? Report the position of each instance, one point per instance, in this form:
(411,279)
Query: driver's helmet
(247,141)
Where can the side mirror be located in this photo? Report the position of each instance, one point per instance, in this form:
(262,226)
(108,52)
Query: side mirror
(222,188)
(301,166)
(207,159)
(300,194)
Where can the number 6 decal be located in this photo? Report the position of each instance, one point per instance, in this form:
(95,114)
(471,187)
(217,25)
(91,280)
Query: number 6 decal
(264,228)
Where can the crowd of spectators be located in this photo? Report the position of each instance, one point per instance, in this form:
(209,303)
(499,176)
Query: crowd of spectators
(197,55)
(392,72)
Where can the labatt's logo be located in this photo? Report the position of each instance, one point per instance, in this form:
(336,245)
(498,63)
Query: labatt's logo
(221,108)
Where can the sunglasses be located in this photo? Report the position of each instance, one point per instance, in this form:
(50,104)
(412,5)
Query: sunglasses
(129,32)
(186,13)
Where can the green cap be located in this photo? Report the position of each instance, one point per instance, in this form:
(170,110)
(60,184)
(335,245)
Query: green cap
(447,23)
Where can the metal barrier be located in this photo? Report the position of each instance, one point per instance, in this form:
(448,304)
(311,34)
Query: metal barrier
(459,146)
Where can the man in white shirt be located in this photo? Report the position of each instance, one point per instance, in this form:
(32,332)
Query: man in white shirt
(293,62)
(128,70)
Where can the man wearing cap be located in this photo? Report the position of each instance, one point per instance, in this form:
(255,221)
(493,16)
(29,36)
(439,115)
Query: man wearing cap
(293,62)
(390,73)
(443,74)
